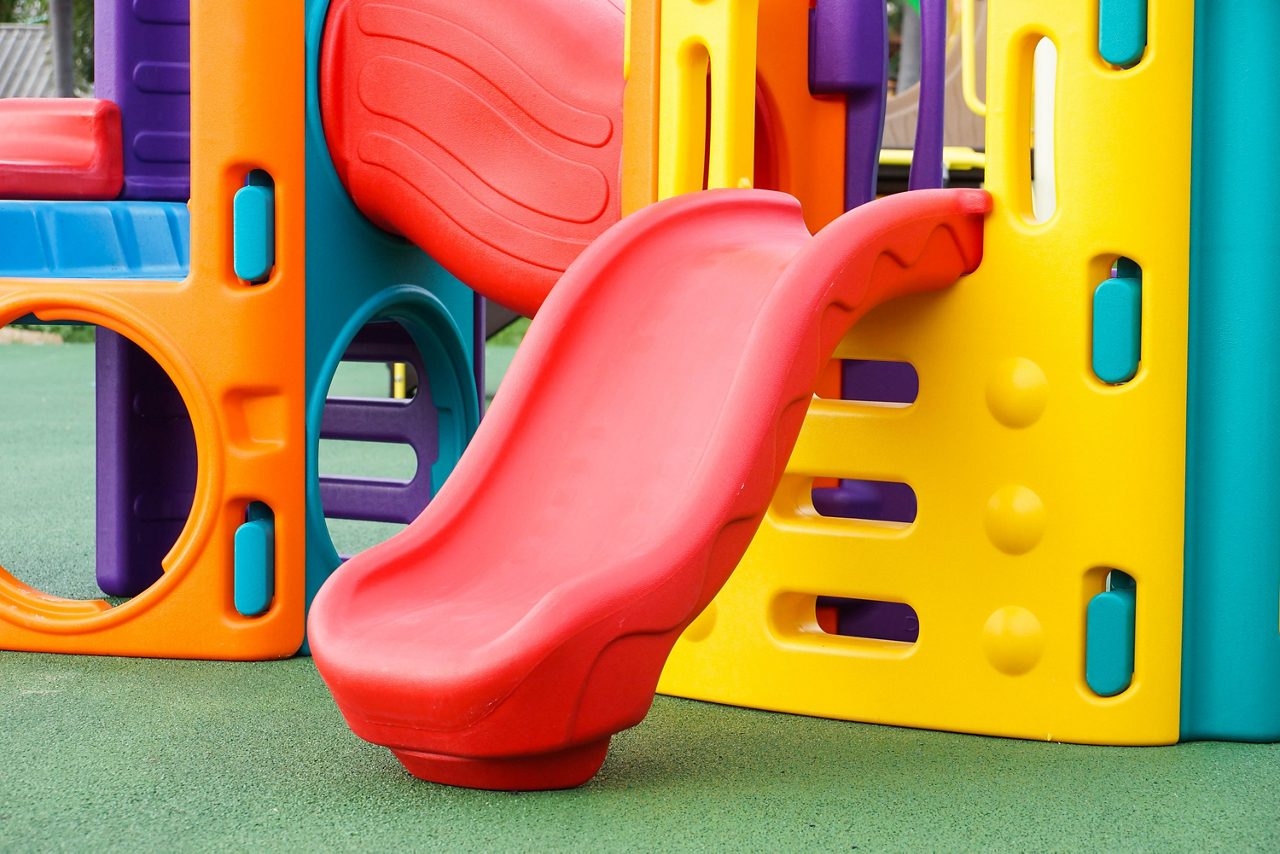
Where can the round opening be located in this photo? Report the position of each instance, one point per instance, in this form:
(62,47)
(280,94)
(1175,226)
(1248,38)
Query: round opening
(378,439)
(399,407)
(100,461)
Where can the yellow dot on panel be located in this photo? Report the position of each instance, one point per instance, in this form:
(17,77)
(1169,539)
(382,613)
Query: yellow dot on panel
(1013,640)
(1015,519)
(1017,392)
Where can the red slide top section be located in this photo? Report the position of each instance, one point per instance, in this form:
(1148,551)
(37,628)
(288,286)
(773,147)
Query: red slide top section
(488,132)
(622,471)
(60,149)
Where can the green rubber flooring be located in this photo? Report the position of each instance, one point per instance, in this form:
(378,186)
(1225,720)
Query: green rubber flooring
(115,754)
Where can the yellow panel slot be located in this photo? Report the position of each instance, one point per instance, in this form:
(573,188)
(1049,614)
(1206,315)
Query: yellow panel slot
(1033,477)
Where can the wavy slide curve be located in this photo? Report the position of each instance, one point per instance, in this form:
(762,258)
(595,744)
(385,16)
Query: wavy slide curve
(488,132)
(620,475)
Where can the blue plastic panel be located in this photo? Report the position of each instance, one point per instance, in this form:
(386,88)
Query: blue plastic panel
(94,240)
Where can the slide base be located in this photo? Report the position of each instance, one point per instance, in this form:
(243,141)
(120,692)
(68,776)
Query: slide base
(563,769)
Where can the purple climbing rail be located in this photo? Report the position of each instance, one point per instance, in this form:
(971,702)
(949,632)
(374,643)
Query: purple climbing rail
(849,55)
(410,422)
(926,159)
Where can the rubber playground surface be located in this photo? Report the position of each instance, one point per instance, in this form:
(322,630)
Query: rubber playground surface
(103,753)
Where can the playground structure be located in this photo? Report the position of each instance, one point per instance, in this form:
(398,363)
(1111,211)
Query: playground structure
(220,493)
(1034,504)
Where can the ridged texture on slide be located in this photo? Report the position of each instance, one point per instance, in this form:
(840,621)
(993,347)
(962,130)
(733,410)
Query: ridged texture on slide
(617,480)
(488,132)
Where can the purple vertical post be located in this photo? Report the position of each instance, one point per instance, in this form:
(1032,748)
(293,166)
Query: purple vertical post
(926,160)
(146,466)
(849,55)
(142,62)
(146,460)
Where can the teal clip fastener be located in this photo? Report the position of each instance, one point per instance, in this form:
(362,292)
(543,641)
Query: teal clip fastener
(1122,31)
(255,561)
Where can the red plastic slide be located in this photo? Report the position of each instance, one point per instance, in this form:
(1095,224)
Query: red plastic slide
(486,131)
(525,617)
(60,148)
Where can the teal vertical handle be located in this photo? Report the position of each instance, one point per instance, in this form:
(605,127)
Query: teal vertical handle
(1117,325)
(1109,637)
(255,561)
(254,230)
(1122,31)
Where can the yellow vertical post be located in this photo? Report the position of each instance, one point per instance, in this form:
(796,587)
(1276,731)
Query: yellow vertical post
(679,51)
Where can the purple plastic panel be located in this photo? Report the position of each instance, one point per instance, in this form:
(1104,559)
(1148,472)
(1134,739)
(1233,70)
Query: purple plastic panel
(849,55)
(411,422)
(146,466)
(879,501)
(878,381)
(926,160)
(142,62)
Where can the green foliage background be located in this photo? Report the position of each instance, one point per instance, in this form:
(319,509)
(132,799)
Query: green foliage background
(37,12)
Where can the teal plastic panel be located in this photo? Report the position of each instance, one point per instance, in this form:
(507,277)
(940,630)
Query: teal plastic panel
(357,273)
(1117,327)
(94,240)
(1231,615)
(255,561)
(255,232)
(1122,31)
(1109,635)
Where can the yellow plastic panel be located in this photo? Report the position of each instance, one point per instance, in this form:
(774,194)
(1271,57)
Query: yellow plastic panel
(791,140)
(700,48)
(234,351)
(1032,476)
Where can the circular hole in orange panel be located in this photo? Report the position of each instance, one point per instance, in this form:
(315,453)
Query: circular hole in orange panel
(99,461)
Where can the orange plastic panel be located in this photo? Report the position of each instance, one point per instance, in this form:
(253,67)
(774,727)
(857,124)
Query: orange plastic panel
(234,351)
(800,137)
